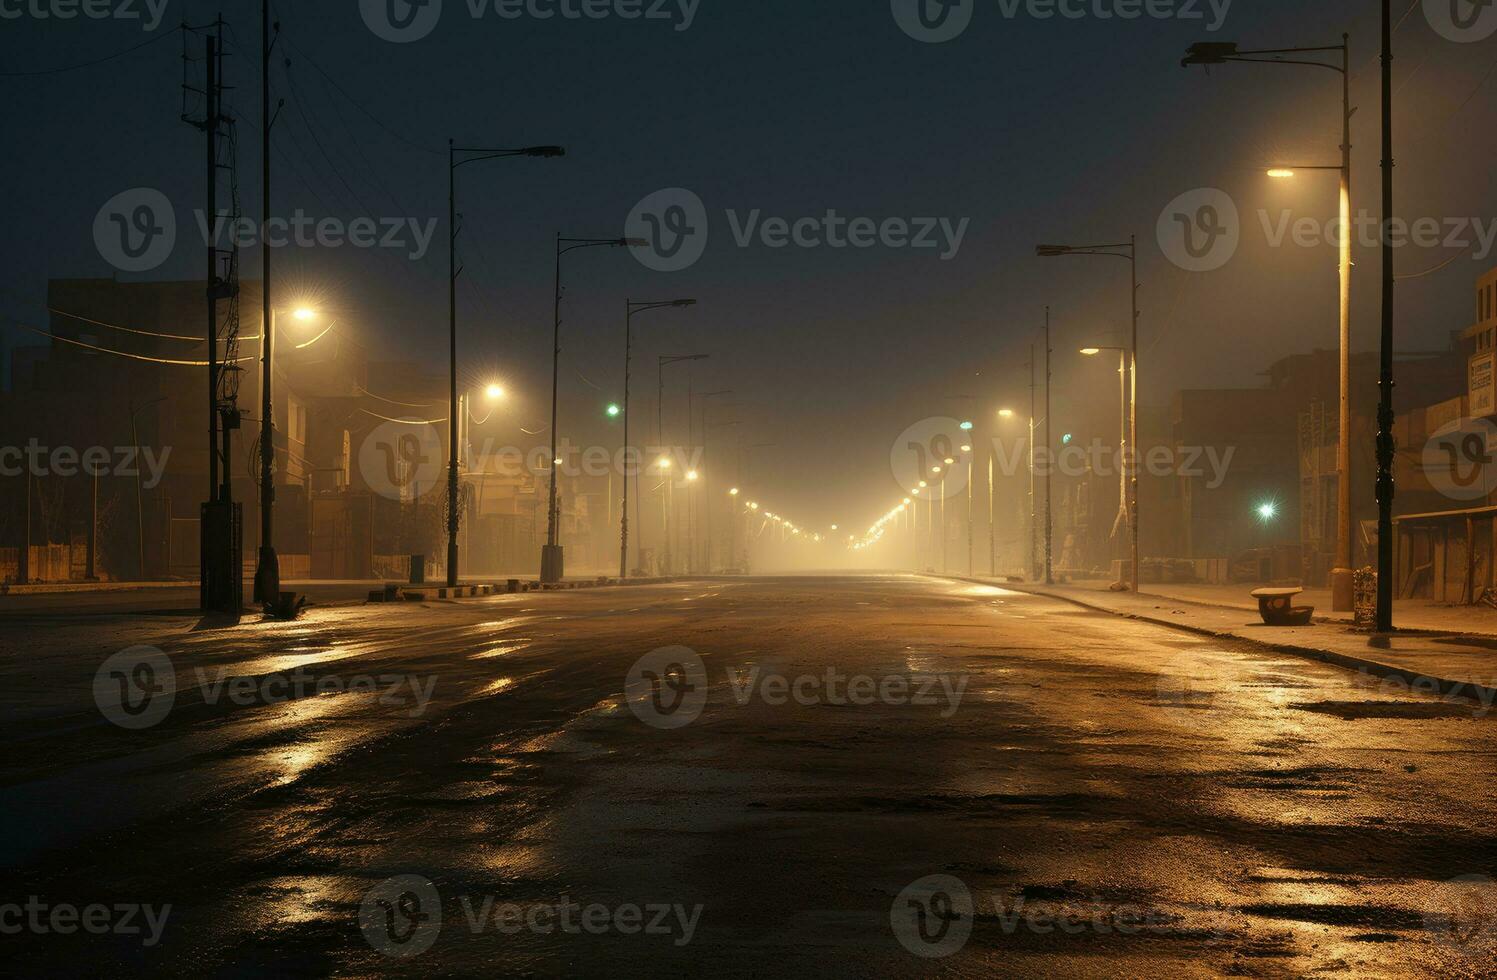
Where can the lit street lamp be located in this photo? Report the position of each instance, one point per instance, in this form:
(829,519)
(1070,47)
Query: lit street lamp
(453,162)
(1125,250)
(552,557)
(268,567)
(1222,52)
(631,307)
(1122,518)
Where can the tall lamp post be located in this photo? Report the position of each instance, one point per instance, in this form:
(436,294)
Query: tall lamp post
(1385,447)
(663,361)
(631,307)
(1125,412)
(552,561)
(706,399)
(1221,52)
(1124,250)
(458,156)
(268,568)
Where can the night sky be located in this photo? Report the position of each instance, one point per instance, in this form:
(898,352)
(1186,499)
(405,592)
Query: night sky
(1054,130)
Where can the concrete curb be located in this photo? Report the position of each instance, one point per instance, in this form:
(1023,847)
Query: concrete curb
(1417,681)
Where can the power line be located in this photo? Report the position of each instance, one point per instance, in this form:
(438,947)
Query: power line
(90,64)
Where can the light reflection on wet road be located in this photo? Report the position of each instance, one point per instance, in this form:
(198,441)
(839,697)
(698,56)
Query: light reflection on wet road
(1265,816)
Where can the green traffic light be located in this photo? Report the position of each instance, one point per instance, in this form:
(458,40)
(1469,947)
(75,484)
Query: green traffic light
(614,411)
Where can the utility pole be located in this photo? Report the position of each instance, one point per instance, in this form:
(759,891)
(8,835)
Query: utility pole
(1049,463)
(220,523)
(268,572)
(1385,488)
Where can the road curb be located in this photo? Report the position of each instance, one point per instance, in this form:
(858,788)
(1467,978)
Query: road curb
(1416,680)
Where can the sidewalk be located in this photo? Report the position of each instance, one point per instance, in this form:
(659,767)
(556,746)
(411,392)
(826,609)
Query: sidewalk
(1408,614)
(1462,662)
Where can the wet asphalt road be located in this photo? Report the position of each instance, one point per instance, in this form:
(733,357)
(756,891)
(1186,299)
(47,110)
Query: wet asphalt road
(835,776)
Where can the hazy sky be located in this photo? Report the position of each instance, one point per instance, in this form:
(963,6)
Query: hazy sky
(1019,130)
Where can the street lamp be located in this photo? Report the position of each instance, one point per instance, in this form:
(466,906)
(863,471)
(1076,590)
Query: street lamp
(468,155)
(552,557)
(631,307)
(662,361)
(268,567)
(1222,52)
(1122,518)
(1124,250)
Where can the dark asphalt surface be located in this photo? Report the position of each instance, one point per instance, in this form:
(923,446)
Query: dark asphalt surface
(854,776)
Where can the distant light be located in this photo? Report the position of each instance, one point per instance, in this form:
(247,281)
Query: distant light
(935,469)
(305,314)
(834,527)
(966,426)
(558,461)
(1065,440)
(1281,173)
(923,484)
(664,463)
(1268,511)
(494,392)
(733,492)
(966,449)
(949,461)
(1005,413)
(691,474)
(614,411)
(1091,351)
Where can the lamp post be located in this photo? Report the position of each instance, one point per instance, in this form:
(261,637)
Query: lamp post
(268,567)
(553,565)
(706,398)
(1125,250)
(458,156)
(1221,52)
(1385,447)
(1122,518)
(661,363)
(631,307)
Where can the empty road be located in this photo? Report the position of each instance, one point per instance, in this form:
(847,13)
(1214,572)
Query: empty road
(845,776)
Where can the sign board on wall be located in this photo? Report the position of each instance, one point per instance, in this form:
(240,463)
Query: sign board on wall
(1481,388)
